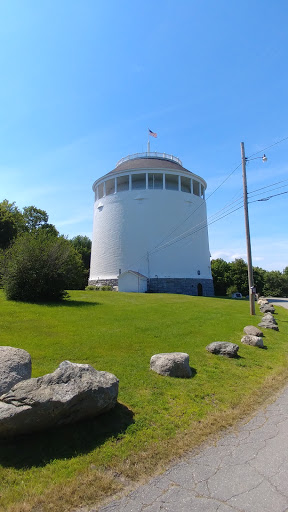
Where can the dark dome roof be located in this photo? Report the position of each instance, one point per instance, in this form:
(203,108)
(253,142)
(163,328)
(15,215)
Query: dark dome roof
(148,163)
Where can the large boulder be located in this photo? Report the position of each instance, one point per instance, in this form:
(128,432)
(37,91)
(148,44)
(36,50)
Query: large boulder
(71,393)
(267,308)
(171,364)
(268,322)
(252,331)
(261,301)
(255,341)
(269,317)
(15,364)
(223,348)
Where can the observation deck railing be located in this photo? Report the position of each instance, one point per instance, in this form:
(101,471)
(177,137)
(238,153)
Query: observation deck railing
(152,154)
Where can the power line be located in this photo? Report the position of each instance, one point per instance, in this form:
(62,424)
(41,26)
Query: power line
(268,147)
(269,197)
(199,206)
(269,190)
(204,223)
(193,228)
(225,207)
(267,186)
(188,233)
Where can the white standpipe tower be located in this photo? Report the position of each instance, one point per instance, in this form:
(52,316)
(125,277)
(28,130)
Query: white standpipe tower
(150,218)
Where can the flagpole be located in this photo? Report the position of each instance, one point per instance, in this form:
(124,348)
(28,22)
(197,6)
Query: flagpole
(148,143)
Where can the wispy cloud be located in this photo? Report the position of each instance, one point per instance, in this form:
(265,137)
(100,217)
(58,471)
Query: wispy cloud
(73,220)
(267,253)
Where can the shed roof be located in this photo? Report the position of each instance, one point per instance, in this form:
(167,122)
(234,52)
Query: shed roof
(132,272)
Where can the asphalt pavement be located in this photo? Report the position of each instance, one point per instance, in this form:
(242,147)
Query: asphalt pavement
(278,301)
(246,471)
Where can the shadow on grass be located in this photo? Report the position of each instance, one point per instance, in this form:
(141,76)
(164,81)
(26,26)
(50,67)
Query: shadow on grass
(225,297)
(38,449)
(194,372)
(67,303)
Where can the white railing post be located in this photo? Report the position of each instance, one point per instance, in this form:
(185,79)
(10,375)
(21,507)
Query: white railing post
(154,154)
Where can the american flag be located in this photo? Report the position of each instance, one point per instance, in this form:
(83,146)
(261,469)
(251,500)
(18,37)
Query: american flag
(153,134)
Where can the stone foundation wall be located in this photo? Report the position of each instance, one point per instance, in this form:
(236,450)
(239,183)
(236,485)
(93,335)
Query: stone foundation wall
(183,286)
(103,282)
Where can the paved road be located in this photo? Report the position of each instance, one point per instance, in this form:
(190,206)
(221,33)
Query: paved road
(277,301)
(245,471)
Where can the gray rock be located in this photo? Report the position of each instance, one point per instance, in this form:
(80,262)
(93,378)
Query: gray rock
(267,325)
(71,393)
(223,348)
(261,301)
(15,364)
(267,308)
(268,322)
(172,364)
(268,317)
(255,341)
(252,330)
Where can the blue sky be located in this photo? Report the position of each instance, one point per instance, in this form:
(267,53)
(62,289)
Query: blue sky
(81,81)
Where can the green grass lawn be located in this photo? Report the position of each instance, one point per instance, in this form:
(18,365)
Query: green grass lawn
(157,417)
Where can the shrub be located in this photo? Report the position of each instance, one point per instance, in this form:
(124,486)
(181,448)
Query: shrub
(232,289)
(95,287)
(40,267)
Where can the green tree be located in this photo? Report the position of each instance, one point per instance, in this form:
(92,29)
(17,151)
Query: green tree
(34,218)
(239,275)
(259,279)
(285,279)
(8,228)
(11,223)
(49,229)
(275,284)
(285,286)
(221,274)
(2,255)
(231,289)
(41,267)
(83,244)
(11,208)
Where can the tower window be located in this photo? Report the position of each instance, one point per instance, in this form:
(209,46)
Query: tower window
(138,181)
(110,187)
(196,190)
(171,182)
(155,180)
(100,190)
(185,184)
(122,183)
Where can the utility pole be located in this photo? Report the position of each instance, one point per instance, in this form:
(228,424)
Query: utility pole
(248,243)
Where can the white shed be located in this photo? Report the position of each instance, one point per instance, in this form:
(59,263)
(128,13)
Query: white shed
(131,281)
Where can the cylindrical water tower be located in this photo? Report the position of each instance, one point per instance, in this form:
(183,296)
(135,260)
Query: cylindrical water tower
(150,218)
